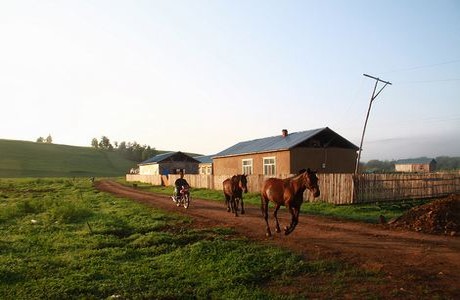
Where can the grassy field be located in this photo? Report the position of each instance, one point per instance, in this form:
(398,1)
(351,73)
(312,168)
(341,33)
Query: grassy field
(61,239)
(369,213)
(29,159)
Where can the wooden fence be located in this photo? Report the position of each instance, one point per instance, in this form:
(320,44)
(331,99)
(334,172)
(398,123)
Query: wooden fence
(340,188)
(392,187)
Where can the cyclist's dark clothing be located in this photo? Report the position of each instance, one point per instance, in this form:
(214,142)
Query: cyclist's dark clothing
(180,182)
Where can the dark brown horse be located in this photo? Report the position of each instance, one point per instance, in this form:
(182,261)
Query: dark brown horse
(287,192)
(233,192)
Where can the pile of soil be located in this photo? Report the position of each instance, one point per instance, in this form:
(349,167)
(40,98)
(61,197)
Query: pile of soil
(438,217)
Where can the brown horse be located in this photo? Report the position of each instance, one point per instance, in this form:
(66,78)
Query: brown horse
(288,192)
(233,192)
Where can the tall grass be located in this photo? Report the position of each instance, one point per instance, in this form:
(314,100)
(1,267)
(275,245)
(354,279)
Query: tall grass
(61,239)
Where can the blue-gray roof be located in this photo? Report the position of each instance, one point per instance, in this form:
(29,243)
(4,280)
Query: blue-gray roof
(277,143)
(204,159)
(161,157)
(420,160)
(158,158)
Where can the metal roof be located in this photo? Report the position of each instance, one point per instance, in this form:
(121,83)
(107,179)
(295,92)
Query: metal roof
(420,160)
(204,159)
(268,144)
(158,158)
(161,157)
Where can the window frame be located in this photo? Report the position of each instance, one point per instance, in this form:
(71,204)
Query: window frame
(249,166)
(269,166)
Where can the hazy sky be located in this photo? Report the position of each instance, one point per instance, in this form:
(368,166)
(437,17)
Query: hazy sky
(199,76)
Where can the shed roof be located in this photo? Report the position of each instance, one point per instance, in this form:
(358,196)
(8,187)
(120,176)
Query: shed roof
(164,156)
(158,158)
(410,161)
(291,140)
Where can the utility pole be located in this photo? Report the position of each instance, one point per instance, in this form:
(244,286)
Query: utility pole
(374,95)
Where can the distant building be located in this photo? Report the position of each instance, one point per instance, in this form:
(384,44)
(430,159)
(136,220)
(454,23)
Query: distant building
(205,165)
(420,165)
(169,163)
(319,149)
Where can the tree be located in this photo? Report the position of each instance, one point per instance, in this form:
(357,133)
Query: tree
(148,152)
(446,163)
(105,143)
(129,150)
(377,166)
(49,139)
(94,143)
(122,147)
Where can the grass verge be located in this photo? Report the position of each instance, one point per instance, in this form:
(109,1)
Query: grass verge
(61,239)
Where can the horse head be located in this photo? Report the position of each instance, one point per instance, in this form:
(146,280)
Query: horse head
(311,182)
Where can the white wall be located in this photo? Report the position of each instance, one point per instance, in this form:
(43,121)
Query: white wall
(149,169)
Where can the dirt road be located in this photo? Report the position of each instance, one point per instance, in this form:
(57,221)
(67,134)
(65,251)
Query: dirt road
(410,260)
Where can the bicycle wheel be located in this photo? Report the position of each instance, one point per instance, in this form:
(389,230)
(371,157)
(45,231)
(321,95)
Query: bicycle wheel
(186,200)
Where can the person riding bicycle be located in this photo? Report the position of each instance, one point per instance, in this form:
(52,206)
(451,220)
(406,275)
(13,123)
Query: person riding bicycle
(178,184)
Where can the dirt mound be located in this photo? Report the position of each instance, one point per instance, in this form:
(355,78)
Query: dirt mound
(438,217)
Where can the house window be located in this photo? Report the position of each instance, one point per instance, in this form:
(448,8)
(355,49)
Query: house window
(205,170)
(247,166)
(269,166)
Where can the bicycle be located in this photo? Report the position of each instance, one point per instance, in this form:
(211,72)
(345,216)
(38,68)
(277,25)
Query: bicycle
(183,197)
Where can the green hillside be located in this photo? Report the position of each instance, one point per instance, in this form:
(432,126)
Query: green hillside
(29,159)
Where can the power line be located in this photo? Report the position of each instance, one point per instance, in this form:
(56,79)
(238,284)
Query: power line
(423,66)
(429,81)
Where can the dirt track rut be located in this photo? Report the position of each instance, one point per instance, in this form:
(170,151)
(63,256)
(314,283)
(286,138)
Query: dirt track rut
(431,260)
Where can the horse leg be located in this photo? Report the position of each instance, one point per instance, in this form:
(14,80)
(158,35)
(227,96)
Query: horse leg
(242,206)
(234,207)
(264,208)
(275,214)
(294,220)
(227,202)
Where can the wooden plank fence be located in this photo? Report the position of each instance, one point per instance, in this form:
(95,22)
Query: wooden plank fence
(394,187)
(340,188)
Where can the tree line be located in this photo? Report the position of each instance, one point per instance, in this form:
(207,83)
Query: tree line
(129,150)
(47,140)
(443,163)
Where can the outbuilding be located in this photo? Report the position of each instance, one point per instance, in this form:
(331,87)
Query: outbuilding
(421,165)
(321,149)
(169,163)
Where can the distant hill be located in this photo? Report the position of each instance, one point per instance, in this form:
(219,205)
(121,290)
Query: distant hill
(29,159)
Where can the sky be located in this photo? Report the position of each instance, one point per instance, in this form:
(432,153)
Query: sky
(200,76)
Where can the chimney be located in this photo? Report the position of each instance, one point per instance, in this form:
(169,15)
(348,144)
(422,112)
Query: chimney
(284,132)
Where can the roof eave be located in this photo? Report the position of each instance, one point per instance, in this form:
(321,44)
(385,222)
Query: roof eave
(150,163)
(251,153)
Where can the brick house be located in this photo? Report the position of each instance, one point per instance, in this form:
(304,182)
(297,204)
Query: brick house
(321,149)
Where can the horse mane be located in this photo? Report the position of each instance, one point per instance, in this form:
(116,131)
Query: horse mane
(235,178)
(299,182)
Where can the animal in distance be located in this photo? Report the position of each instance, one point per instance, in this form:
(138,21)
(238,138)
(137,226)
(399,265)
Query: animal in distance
(233,191)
